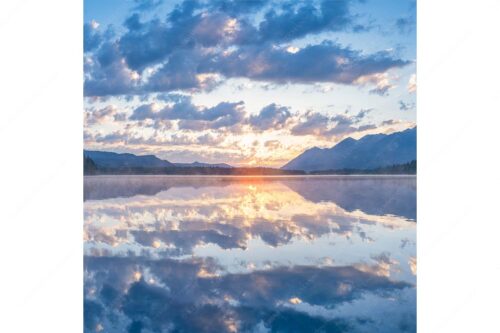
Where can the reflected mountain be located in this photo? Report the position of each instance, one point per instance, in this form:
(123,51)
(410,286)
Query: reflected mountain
(372,195)
(109,187)
(395,195)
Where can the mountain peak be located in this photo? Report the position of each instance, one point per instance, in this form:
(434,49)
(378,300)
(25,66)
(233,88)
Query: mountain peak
(108,159)
(115,160)
(369,152)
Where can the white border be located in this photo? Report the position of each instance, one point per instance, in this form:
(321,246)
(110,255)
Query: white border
(41,166)
(41,169)
(458,176)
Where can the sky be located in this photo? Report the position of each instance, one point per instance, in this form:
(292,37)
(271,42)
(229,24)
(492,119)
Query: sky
(249,83)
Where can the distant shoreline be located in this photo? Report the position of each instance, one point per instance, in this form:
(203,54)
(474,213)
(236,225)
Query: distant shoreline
(264,176)
(243,174)
(401,169)
(126,166)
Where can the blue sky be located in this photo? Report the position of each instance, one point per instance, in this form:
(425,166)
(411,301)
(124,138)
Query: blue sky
(245,82)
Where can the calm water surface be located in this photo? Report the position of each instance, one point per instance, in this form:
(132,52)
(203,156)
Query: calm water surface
(250,254)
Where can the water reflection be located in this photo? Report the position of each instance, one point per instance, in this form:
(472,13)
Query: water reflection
(375,195)
(229,254)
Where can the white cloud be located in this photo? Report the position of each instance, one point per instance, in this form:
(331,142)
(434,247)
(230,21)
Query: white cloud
(412,84)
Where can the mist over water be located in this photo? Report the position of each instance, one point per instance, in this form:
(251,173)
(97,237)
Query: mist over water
(250,254)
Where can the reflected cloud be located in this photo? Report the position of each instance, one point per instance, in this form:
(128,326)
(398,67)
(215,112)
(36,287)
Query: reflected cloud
(227,254)
(172,295)
(224,212)
(371,195)
(413,265)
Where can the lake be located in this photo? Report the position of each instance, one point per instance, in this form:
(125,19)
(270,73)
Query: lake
(250,254)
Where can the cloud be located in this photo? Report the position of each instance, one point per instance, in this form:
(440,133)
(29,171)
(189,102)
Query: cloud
(210,139)
(389,122)
(412,84)
(152,42)
(122,137)
(171,97)
(145,111)
(382,83)
(190,116)
(271,116)
(113,137)
(107,74)
(344,119)
(92,314)
(91,37)
(339,125)
(298,19)
(273,144)
(98,116)
(94,36)
(146,5)
(406,106)
(237,7)
(133,22)
(405,25)
(220,23)
(206,155)
(314,124)
(325,62)
(181,73)
(380,90)
(200,44)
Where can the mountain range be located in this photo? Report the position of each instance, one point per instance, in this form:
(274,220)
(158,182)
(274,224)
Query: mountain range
(369,152)
(372,154)
(126,160)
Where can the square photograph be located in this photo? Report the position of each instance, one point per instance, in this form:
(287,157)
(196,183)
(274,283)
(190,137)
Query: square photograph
(249,166)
